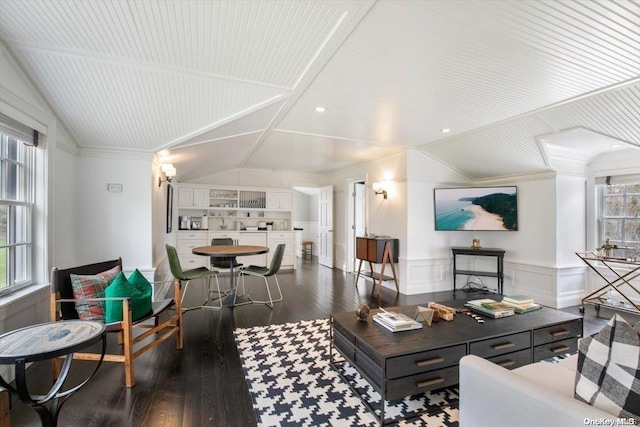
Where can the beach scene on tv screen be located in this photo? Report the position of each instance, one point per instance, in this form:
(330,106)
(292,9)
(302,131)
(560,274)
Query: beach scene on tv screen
(487,208)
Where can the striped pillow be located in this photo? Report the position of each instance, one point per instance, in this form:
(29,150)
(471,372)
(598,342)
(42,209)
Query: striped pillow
(85,287)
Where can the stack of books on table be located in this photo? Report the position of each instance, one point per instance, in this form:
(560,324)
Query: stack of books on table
(521,303)
(396,322)
(491,308)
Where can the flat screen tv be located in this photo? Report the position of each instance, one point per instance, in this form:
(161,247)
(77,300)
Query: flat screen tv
(476,208)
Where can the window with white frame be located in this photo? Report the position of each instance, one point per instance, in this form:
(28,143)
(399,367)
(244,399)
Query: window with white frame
(619,211)
(16,212)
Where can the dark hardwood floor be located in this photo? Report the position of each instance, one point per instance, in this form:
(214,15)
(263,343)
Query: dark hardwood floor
(203,384)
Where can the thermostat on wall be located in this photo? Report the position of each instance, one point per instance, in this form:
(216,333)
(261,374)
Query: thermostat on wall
(114,188)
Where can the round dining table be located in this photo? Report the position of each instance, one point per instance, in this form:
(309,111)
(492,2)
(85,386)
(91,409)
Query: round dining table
(231,252)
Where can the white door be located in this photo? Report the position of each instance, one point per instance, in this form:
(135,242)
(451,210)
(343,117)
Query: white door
(359,207)
(325,227)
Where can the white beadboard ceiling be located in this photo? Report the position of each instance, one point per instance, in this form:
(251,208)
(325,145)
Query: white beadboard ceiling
(224,85)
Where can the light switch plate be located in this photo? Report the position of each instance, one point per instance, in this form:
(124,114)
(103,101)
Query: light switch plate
(114,188)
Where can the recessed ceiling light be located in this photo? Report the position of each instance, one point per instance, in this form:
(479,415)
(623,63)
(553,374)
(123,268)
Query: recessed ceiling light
(320,109)
(445,130)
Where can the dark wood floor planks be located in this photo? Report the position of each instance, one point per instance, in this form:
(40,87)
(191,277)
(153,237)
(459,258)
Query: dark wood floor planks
(203,384)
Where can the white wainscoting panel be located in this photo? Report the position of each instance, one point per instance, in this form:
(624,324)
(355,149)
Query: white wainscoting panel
(535,281)
(428,275)
(550,286)
(571,286)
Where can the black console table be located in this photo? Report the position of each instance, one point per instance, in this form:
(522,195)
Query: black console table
(494,252)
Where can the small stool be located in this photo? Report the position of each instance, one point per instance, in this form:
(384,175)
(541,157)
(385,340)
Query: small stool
(307,248)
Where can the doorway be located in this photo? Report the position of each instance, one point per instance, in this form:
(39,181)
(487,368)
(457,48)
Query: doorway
(305,218)
(357,220)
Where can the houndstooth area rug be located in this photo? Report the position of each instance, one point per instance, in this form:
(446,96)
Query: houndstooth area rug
(292,383)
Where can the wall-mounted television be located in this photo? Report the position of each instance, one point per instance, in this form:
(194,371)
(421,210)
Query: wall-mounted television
(476,208)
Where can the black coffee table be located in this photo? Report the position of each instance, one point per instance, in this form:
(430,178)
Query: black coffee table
(405,363)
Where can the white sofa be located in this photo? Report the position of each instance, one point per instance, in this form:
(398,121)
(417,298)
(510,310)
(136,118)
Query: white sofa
(539,394)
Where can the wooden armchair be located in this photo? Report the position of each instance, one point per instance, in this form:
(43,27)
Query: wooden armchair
(63,308)
(5,408)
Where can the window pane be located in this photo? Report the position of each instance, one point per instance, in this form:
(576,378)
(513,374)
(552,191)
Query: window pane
(613,229)
(23,261)
(12,149)
(633,189)
(3,268)
(614,189)
(632,231)
(633,206)
(613,206)
(4,210)
(16,181)
(22,222)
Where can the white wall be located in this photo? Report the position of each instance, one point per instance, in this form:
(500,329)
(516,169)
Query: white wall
(65,209)
(388,218)
(539,258)
(301,206)
(571,222)
(429,267)
(115,224)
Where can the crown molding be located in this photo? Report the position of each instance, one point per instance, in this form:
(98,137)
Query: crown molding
(116,153)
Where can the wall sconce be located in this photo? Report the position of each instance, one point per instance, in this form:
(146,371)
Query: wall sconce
(380,187)
(169,172)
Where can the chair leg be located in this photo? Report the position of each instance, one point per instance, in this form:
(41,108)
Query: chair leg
(209,291)
(127,335)
(206,300)
(235,294)
(270,301)
(179,335)
(186,286)
(275,277)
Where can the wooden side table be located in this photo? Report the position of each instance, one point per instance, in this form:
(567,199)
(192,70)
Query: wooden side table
(378,250)
(47,341)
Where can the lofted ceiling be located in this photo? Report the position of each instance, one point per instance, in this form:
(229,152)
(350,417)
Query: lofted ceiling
(226,85)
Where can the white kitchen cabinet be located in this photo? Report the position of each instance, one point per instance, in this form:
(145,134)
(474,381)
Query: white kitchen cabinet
(187,240)
(279,200)
(235,207)
(190,197)
(253,239)
(289,239)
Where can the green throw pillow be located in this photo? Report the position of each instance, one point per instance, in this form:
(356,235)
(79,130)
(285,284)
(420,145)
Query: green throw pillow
(140,282)
(121,287)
